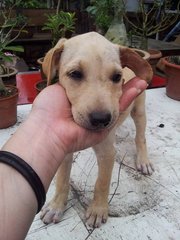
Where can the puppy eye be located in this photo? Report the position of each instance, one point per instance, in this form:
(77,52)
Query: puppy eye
(76,75)
(116,77)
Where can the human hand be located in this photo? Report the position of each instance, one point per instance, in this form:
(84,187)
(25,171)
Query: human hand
(53,108)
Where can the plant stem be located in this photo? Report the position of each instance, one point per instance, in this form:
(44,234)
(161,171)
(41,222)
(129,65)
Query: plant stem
(2,86)
(58,6)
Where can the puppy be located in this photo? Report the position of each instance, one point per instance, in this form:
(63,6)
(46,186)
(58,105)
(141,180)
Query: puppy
(92,70)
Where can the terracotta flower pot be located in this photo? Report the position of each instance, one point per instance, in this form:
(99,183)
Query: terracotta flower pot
(10,77)
(40,85)
(40,62)
(8,108)
(145,55)
(172,71)
(155,55)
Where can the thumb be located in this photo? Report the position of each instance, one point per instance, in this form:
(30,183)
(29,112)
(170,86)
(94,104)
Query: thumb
(131,90)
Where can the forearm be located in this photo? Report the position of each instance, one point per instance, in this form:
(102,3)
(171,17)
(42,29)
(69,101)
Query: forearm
(18,205)
(34,144)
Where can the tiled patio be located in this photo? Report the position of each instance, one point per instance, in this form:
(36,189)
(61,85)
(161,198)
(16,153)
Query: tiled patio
(141,207)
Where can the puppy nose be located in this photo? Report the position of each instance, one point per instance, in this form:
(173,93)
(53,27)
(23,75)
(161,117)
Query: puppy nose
(99,119)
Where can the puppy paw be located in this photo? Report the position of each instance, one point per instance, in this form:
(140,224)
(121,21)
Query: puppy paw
(96,215)
(51,214)
(145,168)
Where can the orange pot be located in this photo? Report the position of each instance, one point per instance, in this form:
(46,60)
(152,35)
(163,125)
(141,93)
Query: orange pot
(8,109)
(172,72)
(155,55)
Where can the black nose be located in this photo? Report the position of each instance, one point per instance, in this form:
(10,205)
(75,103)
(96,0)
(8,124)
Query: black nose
(99,119)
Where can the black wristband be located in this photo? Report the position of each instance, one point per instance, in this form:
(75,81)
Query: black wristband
(28,173)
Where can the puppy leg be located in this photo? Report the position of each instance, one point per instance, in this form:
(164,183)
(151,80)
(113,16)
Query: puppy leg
(139,116)
(53,211)
(97,212)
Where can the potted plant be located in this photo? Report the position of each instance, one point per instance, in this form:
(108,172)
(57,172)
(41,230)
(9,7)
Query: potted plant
(8,94)
(102,12)
(172,71)
(8,104)
(108,18)
(116,32)
(150,21)
(60,24)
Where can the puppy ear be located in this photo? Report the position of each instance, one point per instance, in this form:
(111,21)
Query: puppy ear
(51,60)
(136,63)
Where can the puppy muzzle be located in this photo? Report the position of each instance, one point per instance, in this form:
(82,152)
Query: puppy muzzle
(99,120)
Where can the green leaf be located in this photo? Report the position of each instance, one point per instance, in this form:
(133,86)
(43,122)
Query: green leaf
(6,58)
(14,48)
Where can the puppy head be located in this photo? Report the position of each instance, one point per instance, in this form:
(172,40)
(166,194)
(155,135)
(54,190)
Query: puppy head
(90,69)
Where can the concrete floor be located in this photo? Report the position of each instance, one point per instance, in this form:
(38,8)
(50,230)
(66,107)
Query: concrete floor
(141,207)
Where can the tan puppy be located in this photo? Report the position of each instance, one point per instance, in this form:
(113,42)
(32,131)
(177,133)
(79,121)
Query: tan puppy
(91,70)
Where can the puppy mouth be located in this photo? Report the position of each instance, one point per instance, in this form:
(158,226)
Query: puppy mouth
(97,128)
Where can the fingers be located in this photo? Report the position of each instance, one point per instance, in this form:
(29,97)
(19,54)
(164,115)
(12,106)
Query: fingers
(135,82)
(130,91)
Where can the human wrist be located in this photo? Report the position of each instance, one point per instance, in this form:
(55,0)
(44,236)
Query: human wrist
(27,172)
(32,142)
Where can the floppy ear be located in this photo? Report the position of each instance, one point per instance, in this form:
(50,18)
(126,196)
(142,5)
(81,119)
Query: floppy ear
(136,63)
(51,61)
